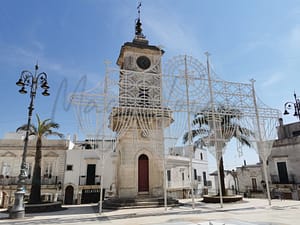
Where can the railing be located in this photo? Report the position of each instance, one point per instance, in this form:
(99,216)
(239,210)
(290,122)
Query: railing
(9,180)
(83,180)
(50,180)
(178,184)
(290,179)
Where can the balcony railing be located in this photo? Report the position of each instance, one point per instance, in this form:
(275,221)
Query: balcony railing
(178,184)
(83,180)
(13,180)
(291,179)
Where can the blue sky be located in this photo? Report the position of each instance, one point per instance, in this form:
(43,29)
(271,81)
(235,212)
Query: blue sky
(71,39)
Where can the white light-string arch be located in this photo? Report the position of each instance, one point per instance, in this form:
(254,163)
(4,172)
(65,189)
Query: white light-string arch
(186,91)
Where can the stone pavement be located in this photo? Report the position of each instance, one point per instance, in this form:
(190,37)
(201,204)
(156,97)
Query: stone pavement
(246,212)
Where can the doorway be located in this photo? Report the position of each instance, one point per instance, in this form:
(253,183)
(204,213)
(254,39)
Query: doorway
(143,174)
(90,174)
(69,193)
(254,184)
(282,173)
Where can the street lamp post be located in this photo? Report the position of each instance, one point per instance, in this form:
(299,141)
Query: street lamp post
(31,80)
(289,105)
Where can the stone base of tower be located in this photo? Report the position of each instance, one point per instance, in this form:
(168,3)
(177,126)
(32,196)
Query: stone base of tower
(140,167)
(132,193)
(142,201)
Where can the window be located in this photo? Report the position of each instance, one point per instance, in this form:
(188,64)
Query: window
(69,167)
(195,174)
(169,175)
(90,174)
(48,170)
(29,170)
(254,184)
(296,133)
(204,179)
(182,175)
(199,178)
(201,156)
(209,183)
(282,173)
(5,169)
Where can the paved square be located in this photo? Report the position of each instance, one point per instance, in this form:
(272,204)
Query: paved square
(246,212)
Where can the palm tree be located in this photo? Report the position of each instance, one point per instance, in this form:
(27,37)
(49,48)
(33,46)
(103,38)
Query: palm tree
(227,122)
(43,129)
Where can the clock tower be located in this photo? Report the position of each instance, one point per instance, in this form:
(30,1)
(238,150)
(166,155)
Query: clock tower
(139,119)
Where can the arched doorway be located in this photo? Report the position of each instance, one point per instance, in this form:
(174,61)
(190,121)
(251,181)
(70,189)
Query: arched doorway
(69,193)
(143,173)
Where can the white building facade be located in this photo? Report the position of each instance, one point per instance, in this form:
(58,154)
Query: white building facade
(53,164)
(251,181)
(284,162)
(282,168)
(90,166)
(180,178)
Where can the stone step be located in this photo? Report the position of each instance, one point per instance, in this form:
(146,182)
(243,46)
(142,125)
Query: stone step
(125,203)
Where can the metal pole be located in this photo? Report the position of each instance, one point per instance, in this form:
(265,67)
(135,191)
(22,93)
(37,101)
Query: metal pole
(103,137)
(26,79)
(260,141)
(18,209)
(267,180)
(189,131)
(297,106)
(215,127)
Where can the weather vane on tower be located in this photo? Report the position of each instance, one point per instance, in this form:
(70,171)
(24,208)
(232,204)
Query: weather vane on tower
(139,9)
(138,24)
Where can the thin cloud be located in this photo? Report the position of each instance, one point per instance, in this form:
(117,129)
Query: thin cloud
(25,58)
(294,38)
(38,45)
(171,32)
(273,80)
(15,55)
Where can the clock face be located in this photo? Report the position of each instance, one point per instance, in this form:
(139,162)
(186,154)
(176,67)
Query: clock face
(143,62)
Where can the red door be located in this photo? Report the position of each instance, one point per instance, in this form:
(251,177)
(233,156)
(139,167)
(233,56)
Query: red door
(143,174)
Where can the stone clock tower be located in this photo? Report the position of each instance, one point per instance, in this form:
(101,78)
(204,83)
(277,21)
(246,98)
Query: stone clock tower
(139,119)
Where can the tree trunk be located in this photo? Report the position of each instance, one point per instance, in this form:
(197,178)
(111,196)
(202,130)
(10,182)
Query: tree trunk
(35,192)
(221,168)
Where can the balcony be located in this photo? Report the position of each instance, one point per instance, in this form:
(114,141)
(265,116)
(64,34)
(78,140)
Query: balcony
(8,180)
(13,180)
(291,179)
(95,181)
(178,184)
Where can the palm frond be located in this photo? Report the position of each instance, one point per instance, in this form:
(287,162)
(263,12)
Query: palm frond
(230,127)
(194,133)
(32,129)
(45,128)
